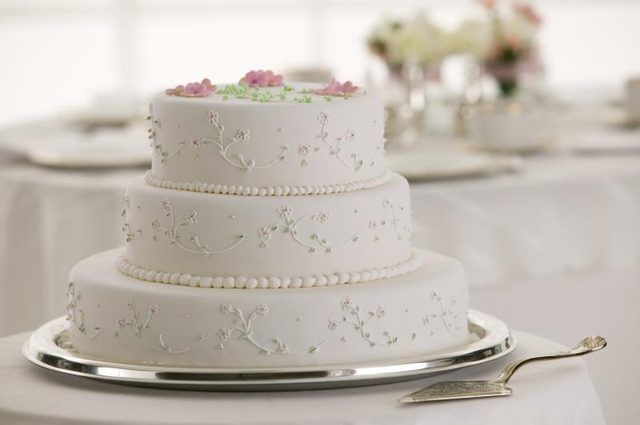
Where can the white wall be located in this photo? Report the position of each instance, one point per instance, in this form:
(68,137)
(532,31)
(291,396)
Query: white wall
(58,54)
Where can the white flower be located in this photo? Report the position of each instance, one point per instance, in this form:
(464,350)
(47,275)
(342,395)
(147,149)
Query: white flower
(380,312)
(226,308)
(224,334)
(373,225)
(304,150)
(418,40)
(321,216)
(191,217)
(285,212)
(262,310)
(264,233)
(131,304)
(214,118)
(346,304)
(153,309)
(333,325)
(472,37)
(242,135)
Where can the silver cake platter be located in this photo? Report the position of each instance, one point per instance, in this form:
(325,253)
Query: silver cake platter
(490,340)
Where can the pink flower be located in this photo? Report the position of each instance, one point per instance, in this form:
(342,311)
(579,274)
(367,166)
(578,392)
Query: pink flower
(262,78)
(201,89)
(335,88)
(527,12)
(514,42)
(488,4)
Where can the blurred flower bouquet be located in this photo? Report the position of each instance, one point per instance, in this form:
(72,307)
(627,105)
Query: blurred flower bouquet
(412,51)
(506,44)
(416,41)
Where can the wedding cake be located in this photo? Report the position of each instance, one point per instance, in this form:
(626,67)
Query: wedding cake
(268,232)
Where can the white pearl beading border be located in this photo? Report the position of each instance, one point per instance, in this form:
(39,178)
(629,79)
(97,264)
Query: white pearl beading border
(270,282)
(224,189)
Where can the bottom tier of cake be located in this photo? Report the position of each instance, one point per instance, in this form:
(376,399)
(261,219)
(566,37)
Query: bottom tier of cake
(119,318)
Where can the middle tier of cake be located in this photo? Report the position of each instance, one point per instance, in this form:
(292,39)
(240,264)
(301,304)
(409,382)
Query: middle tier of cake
(212,240)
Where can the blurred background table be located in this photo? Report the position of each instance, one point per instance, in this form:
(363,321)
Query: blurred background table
(552,393)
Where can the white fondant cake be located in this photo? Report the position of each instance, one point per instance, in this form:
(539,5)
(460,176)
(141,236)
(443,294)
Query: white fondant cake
(227,265)
(124,319)
(268,139)
(230,236)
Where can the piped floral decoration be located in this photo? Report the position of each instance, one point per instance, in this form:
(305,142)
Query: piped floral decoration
(335,88)
(195,89)
(262,78)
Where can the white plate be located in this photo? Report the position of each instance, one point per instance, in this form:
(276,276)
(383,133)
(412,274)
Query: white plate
(59,144)
(99,154)
(619,117)
(541,146)
(56,145)
(448,163)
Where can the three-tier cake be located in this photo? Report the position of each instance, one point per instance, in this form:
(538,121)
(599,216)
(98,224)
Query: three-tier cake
(268,232)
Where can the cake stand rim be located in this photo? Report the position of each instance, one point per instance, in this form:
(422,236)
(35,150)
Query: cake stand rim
(495,341)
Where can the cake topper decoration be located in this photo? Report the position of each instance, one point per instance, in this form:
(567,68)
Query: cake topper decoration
(335,88)
(195,89)
(262,78)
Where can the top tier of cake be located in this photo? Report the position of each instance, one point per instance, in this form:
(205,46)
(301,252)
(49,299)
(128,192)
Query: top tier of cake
(284,140)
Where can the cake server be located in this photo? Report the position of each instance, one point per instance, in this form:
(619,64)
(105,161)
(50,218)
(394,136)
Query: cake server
(455,390)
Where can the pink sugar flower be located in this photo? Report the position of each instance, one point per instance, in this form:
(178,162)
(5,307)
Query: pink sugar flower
(195,89)
(488,4)
(528,13)
(335,88)
(262,78)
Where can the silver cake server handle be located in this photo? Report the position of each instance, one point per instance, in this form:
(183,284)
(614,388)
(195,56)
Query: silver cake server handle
(454,390)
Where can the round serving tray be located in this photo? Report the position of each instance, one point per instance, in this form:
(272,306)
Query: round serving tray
(490,339)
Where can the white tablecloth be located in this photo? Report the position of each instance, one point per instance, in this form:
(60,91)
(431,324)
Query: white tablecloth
(49,220)
(555,393)
(563,213)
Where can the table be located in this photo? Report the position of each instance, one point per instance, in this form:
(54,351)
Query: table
(558,392)
(561,214)
(568,306)
(49,220)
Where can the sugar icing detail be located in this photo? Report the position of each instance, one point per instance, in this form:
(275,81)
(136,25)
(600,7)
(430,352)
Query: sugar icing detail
(444,313)
(359,320)
(289,225)
(209,187)
(195,89)
(173,230)
(236,160)
(244,327)
(76,315)
(157,148)
(129,234)
(269,282)
(335,147)
(133,320)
